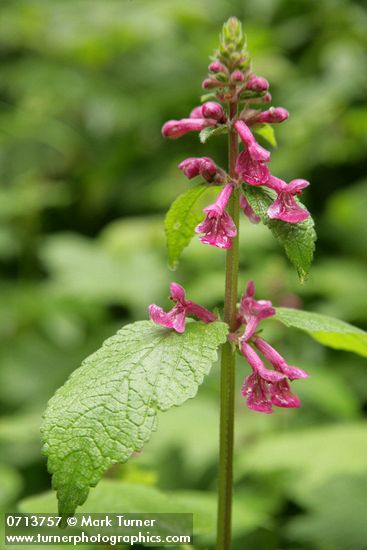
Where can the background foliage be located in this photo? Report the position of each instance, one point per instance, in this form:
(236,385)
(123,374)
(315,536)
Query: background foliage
(85,181)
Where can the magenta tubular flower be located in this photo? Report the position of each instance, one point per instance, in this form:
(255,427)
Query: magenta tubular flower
(258,366)
(257,83)
(255,390)
(218,227)
(278,362)
(251,171)
(281,395)
(174,129)
(247,210)
(213,110)
(176,317)
(256,152)
(252,311)
(264,388)
(203,166)
(285,208)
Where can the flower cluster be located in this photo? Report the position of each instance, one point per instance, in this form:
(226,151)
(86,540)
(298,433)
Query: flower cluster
(232,81)
(264,387)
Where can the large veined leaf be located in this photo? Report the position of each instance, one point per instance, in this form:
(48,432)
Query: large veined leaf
(326,330)
(108,407)
(298,239)
(181,219)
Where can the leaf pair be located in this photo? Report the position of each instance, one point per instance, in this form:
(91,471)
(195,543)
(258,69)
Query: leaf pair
(298,239)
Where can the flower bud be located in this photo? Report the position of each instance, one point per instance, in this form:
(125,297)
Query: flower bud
(257,83)
(203,166)
(210,83)
(176,128)
(216,67)
(214,110)
(237,76)
(272,115)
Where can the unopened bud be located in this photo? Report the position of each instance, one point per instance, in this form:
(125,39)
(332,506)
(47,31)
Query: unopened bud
(257,83)
(203,166)
(210,83)
(211,109)
(273,115)
(237,76)
(176,128)
(216,67)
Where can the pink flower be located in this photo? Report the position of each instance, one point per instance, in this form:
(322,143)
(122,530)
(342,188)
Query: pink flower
(251,163)
(278,362)
(176,128)
(256,152)
(176,317)
(218,227)
(247,210)
(251,171)
(264,388)
(281,395)
(202,166)
(255,389)
(252,311)
(258,366)
(285,208)
(257,83)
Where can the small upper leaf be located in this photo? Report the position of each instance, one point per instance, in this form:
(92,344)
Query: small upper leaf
(210,132)
(266,131)
(108,407)
(298,239)
(180,222)
(326,330)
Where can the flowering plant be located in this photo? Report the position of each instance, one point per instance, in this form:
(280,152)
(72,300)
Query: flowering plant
(108,408)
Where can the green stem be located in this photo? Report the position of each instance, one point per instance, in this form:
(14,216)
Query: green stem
(228,365)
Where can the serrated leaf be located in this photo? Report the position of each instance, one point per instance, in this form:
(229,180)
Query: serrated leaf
(108,407)
(267,132)
(327,330)
(180,222)
(298,239)
(210,132)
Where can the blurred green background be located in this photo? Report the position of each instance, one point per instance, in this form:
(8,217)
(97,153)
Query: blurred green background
(85,181)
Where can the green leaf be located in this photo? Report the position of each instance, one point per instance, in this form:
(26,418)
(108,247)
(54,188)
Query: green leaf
(267,132)
(108,407)
(180,222)
(326,330)
(298,239)
(210,132)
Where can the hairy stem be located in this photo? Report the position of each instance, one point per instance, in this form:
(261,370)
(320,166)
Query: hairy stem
(228,365)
